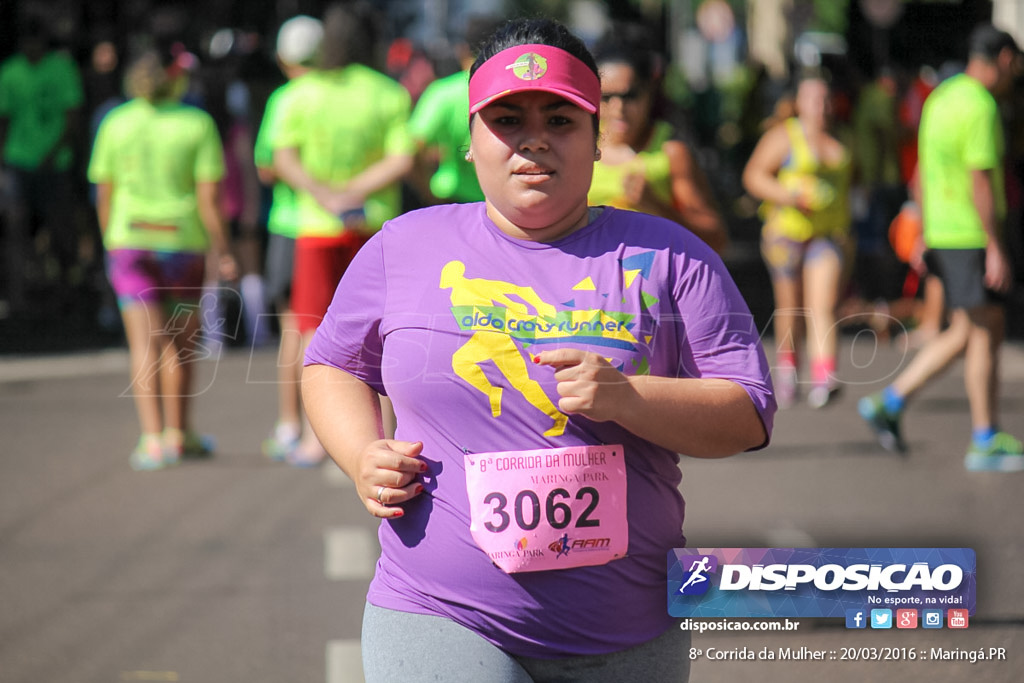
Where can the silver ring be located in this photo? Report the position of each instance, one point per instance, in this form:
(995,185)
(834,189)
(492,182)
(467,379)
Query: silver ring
(380,492)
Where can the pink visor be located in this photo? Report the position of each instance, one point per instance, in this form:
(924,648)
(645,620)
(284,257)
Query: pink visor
(534,67)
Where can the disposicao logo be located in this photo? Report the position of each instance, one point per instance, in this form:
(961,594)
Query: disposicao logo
(696,580)
(818,582)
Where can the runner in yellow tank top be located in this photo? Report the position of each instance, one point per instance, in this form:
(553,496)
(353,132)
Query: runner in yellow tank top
(643,167)
(802,174)
(822,187)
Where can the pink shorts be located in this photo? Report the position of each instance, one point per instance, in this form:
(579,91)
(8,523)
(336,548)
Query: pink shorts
(141,276)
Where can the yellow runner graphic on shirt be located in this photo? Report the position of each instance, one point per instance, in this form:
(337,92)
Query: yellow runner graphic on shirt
(500,314)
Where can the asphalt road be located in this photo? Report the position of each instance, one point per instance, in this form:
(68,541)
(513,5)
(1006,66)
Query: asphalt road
(242,570)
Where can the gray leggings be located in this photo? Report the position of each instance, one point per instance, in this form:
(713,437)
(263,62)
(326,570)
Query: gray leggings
(415,648)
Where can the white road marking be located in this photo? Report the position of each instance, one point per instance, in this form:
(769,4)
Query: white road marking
(334,477)
(350,553)
(344,661)
(1011,366)
(31,368)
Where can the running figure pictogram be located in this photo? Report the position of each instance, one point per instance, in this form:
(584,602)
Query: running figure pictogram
(498,346)
(696,570)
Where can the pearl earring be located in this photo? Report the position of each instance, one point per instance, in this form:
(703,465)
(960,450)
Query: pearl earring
(597,155)
(469,156)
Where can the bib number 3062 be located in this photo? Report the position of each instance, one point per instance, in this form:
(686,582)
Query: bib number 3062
(549,508)
(527,509)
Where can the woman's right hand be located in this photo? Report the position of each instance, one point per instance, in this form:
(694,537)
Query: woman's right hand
(388,475)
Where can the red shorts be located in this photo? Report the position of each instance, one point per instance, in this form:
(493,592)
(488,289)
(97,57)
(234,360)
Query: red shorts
(319,264)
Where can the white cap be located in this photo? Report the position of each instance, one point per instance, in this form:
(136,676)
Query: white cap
(298,41)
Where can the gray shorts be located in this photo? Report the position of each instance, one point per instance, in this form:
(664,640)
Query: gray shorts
(962,272)
(416,648)
(280,266)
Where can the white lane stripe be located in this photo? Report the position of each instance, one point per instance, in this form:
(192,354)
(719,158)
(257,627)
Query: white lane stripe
(350,553)
(1011,366)
(334,477)
(21,369)
(344,662)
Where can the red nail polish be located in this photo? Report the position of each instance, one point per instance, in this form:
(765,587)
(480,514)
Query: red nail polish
(419,489)
(398,513)
(536,359)
(423,467)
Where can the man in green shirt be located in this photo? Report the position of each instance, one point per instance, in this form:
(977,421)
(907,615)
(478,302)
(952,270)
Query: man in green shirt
(40,96)
(440,127)
(343,145)
(298,46)
(964,203)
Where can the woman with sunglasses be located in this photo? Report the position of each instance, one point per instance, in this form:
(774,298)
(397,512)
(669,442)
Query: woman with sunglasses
(644,166)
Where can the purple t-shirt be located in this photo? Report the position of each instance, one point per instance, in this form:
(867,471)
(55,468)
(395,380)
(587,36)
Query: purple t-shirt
(441,305)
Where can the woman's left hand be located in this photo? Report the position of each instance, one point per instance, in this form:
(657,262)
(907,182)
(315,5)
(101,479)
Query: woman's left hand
(588,384)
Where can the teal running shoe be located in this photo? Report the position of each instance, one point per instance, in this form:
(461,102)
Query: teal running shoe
(885,424)
(1003,453)
(149,455)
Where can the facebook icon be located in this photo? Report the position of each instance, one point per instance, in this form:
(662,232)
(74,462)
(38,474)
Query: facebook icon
(856,618)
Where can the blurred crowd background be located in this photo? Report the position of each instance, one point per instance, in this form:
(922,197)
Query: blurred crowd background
(728,66)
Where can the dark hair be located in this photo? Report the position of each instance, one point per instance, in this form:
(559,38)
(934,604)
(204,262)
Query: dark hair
(632,43)
(535,32)
(478,29)
(987,41)
(641,60)
(147,77)
(813,73)
(350,35)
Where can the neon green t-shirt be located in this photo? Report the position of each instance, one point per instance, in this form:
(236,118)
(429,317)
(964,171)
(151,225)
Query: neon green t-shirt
(441,119)
(960,132)
(343,121)
(35,98)
(154,155)
(283,218)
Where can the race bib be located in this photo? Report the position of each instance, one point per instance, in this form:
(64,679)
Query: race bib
(551,508)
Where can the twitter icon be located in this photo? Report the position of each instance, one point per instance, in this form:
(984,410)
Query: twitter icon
(881,618)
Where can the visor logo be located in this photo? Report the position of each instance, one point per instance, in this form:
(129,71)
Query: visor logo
(529,66)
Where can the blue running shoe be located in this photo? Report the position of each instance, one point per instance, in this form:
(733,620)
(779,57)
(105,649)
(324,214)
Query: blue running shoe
(885,424)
